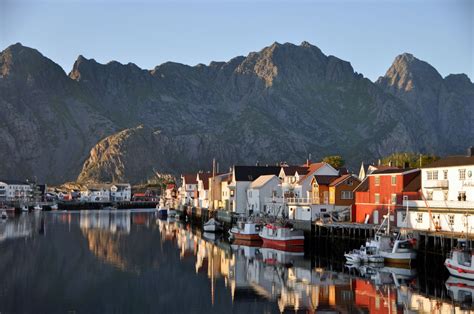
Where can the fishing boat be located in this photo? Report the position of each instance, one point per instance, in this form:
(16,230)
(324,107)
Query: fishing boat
(281,235)
(460,261)
(396,248)
(366,254)
(212,225)
(246,229)
(4,215)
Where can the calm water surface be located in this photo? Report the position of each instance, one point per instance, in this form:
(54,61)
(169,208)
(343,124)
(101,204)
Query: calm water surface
(132,262)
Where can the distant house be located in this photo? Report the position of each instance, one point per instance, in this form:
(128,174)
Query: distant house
(188,189)
(330,194)
(203,189)
(120,192)
(97,193)
(383,191)
(242,177)
(264,187)
(217,185)
(447,191)
(15,190)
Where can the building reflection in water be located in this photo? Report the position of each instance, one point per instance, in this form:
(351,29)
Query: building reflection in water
(253,272)
(23,226)
(112,221)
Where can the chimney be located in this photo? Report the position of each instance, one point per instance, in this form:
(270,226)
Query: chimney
(470,151)
(406,165)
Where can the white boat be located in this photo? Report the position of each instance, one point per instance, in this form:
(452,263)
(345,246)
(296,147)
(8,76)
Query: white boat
(171,212)
(282,235)
(4,215)
(54,207)
(38,207)
(246,229)
(394,250)
(460,262)
(353,257)
(212,226)
(24,208)
(398,250)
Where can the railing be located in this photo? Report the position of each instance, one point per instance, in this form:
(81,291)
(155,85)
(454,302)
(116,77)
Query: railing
(440,204)
(436,184)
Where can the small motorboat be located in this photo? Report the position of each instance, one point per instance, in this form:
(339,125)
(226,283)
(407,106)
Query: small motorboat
(38,207)
(4,215)
(25,209)
(212,226)
(353,257)
(162,212)
(460,261)
(246,230)
(54,207)
(282,235)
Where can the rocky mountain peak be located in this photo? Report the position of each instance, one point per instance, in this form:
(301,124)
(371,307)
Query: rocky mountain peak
(407,72)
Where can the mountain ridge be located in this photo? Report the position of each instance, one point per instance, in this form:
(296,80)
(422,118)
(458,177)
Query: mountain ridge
(280,103)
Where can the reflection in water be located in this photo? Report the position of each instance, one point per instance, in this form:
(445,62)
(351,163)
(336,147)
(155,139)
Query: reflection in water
(108,262)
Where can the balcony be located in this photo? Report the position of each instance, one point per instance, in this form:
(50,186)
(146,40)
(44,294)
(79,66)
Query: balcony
(465,205)
(440,184)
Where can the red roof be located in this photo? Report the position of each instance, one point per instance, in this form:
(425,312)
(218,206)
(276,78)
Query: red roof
(342,179)
(205,179)
(312,168)
(189,178)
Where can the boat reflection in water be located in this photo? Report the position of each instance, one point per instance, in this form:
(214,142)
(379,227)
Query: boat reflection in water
(269,274)
(129,261)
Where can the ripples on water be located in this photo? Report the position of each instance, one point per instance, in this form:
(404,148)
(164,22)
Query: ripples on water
(132,262)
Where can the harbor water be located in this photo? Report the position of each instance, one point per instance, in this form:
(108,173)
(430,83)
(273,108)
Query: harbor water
(132,262)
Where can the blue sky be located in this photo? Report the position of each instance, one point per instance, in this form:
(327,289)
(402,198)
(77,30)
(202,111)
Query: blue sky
(368,33)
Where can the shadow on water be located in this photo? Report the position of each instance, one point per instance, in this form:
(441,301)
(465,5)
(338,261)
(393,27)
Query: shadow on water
(130,261)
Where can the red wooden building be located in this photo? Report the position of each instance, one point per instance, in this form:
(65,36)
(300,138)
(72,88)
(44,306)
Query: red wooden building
(383,190)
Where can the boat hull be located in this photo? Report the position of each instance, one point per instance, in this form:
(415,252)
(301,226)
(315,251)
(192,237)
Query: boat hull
(212,228)
(399,258)
(459,270)
(296,241)
(245,236)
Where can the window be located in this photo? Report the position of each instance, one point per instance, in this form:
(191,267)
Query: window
(404,216)
(419,218)
(346,195)
(462,196)
(377,198)
(462,174)
(429,195)
(377,180)
(394,180)
(231,193)
(432,175)
(451,219)
(445,174)
(350,182)
(394,198)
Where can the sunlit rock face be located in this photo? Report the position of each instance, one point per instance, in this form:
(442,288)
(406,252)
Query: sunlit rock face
(113,121)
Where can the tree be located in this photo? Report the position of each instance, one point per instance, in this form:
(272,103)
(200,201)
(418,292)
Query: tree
(335,161)
(414,160)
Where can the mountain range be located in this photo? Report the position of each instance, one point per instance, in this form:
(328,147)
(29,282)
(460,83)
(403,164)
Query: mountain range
(118,122)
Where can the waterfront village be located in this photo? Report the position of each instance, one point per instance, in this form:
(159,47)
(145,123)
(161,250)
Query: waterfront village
(282,203)
(307,192)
